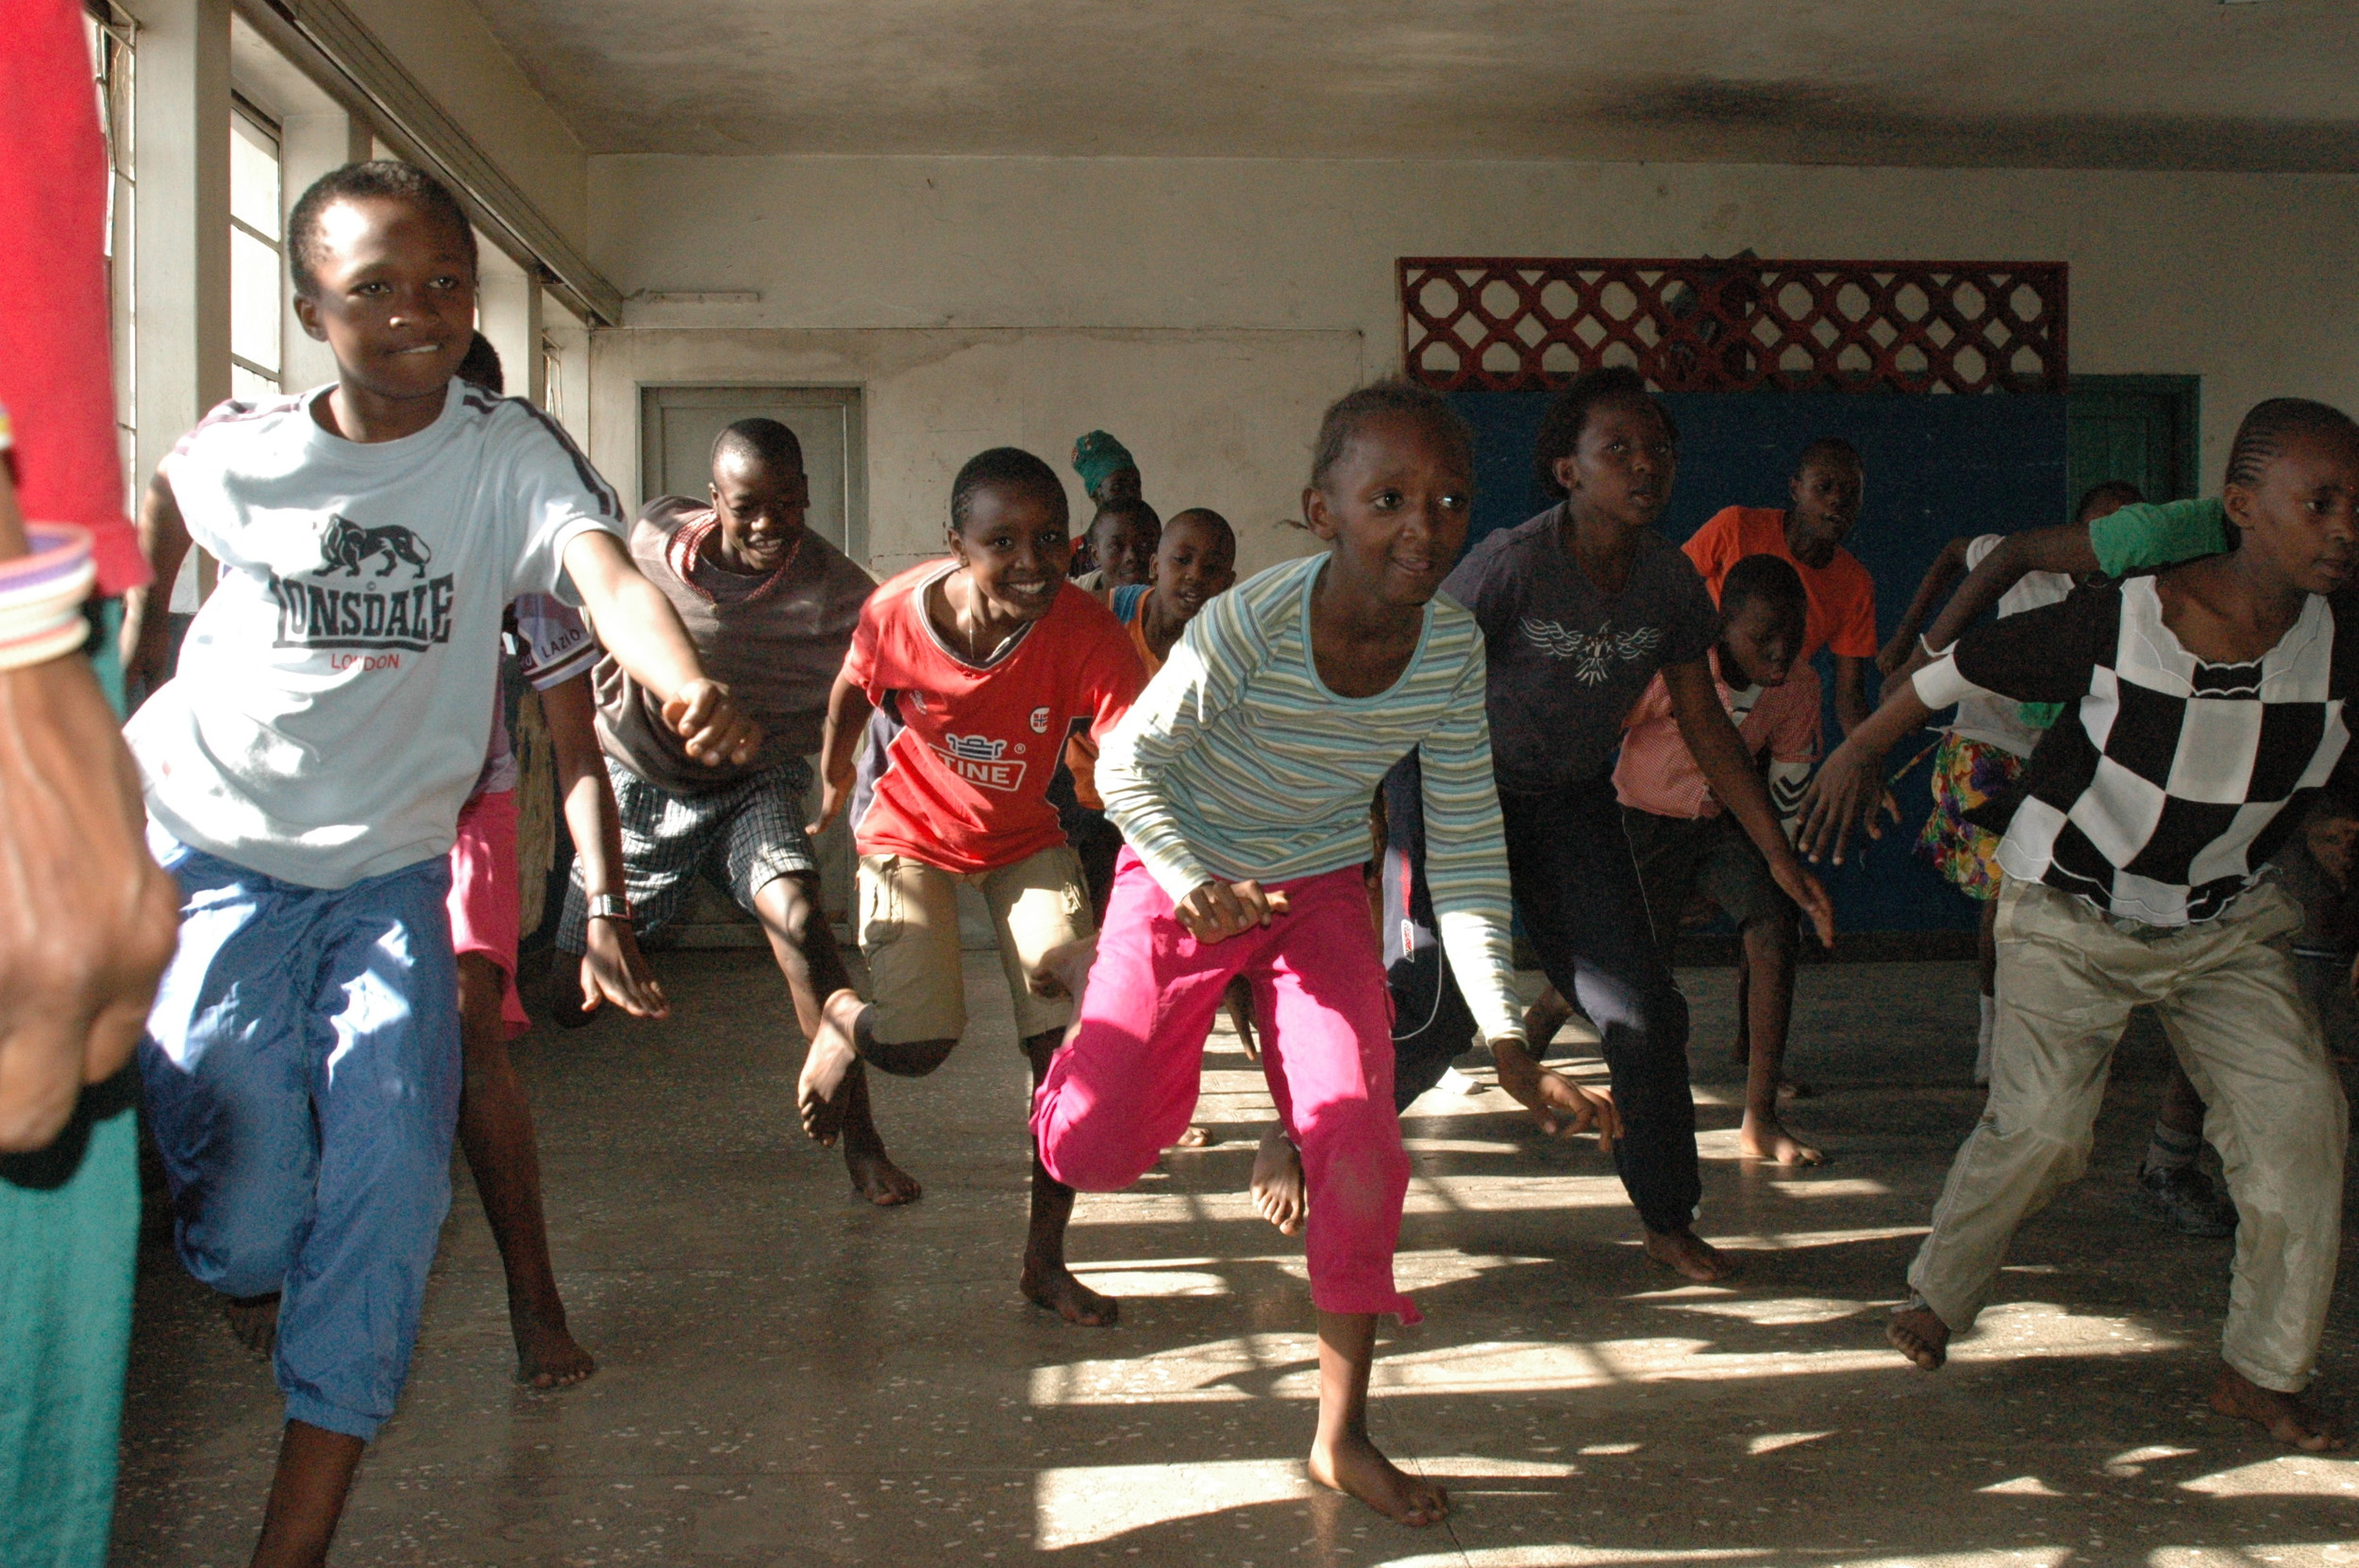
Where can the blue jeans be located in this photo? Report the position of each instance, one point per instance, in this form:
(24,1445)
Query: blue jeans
(1577,895)
(301,1068)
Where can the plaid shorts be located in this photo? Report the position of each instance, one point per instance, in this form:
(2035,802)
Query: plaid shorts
(743,836)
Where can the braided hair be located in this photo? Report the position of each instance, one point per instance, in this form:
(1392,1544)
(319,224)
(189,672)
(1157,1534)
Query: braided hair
(2265,430)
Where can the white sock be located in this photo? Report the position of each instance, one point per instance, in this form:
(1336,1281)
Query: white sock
(1983,1037)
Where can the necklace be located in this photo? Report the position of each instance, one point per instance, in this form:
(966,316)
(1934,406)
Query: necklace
(681,552)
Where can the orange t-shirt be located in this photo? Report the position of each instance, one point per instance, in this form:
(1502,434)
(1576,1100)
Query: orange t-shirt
(1842,595)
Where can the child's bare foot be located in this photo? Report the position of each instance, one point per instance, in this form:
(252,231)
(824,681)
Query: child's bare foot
(1767,1139)
(1354,1467)
(547,1356)
(2287,1417)
(1198,1137)
(876,1178)
(1278,1189)
(1063,971)
(255,1320)
(1687,1253)
(819,1093)
(1922,1336)
(1052,1286)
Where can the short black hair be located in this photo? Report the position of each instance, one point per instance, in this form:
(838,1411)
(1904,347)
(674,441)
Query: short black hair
(1392,395)
(1829,449)
(382,180)
(1128,508)
(1005,468)
(2265,430)
(1203,517)
(481,367)
(2120,492)
(766,441)
(1769,579)
(1560,426)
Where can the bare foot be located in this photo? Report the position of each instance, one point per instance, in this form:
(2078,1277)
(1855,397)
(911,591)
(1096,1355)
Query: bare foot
(1063,971)
(1356,1469)
(1278,1189)
(547,1357)
(876,1178)
(819,1093)
(2287,1417)
(1052,1286)
(255,1320)
(1923,1338)
(1769,1140)
(1198,1137)
(1689,1254)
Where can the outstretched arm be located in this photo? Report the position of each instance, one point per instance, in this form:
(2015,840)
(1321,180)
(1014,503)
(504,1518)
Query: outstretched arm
(644,633)
(839,748)
(147,644)
(1720,752)
(1947,568)
(613,968)
(2064,549)
(88,920)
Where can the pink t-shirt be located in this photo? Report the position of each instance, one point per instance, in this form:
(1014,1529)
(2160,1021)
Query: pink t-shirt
(1657,772)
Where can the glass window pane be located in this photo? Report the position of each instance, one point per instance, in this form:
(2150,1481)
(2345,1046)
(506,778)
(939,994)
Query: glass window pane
(253,175)
(253,300)
(246,387)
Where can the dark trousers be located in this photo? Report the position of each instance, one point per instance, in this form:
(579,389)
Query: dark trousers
(1576,894)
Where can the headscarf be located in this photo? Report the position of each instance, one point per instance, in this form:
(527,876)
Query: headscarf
(1098,457)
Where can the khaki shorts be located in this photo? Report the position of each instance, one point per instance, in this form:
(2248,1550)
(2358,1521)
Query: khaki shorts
(909,930)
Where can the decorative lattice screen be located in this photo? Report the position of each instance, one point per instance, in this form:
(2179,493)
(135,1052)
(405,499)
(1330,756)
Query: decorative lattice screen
(1514,323)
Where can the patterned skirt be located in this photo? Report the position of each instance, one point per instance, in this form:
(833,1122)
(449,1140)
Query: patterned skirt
(1965,774)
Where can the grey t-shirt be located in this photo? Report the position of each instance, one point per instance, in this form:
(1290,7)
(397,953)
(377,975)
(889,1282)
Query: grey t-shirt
(1569,661)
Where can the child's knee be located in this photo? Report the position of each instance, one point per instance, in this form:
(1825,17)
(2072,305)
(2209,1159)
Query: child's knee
(913,1058)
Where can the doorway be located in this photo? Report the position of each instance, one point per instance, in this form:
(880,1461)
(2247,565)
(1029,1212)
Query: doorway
(2142,428)
(676,428)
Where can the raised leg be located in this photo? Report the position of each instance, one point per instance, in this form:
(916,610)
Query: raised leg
(824,1006)
(495,1130)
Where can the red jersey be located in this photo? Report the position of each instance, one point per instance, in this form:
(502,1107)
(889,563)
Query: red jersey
(1842,595)
(960,755)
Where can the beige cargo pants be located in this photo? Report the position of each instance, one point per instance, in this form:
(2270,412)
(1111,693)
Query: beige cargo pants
(2229,1001)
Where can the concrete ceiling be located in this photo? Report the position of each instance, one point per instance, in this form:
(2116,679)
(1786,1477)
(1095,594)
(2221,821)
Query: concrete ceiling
(2138,84)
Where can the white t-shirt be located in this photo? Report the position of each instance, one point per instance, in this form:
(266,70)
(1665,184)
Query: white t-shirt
(552,644)
(329,712)
(1996,720)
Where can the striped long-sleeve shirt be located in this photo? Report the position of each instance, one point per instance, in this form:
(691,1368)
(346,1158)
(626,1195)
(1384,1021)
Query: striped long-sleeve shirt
(1238,763)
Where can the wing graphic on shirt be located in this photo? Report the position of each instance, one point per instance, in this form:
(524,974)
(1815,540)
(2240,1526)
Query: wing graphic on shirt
(1593,653)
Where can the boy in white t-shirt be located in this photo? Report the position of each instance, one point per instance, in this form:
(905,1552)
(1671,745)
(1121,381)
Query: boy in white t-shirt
(303,775)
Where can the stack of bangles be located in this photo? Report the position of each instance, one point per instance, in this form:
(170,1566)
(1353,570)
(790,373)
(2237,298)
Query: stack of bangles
(42,595)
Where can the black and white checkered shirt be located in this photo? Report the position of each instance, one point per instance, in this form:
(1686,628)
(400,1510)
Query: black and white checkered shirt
(2165,786)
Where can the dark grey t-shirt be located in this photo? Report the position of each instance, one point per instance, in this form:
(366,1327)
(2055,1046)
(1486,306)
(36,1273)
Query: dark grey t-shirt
(1568,661)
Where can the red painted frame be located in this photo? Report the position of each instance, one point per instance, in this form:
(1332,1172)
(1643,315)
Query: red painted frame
(1513,323)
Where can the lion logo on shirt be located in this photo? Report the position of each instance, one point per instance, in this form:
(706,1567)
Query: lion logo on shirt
(347,547)
(1593,653)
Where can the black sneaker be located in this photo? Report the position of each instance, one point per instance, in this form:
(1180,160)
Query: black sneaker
(2185,1199)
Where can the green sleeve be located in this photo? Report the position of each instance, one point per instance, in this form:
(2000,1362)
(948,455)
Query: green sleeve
(2164,533)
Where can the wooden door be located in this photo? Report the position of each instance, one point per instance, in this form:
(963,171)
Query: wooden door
(2141,429)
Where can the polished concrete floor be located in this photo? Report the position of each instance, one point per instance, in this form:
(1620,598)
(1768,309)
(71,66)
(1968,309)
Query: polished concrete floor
(791,1377)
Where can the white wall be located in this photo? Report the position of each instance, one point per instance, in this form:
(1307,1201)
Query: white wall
(2248,280)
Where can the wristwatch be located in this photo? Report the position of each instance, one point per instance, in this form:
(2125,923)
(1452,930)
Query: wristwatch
(607,905)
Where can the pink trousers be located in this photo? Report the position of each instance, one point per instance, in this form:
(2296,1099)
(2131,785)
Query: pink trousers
(1121,1090)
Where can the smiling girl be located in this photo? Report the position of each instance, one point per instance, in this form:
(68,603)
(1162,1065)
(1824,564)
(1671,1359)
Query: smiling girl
(1241,782)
